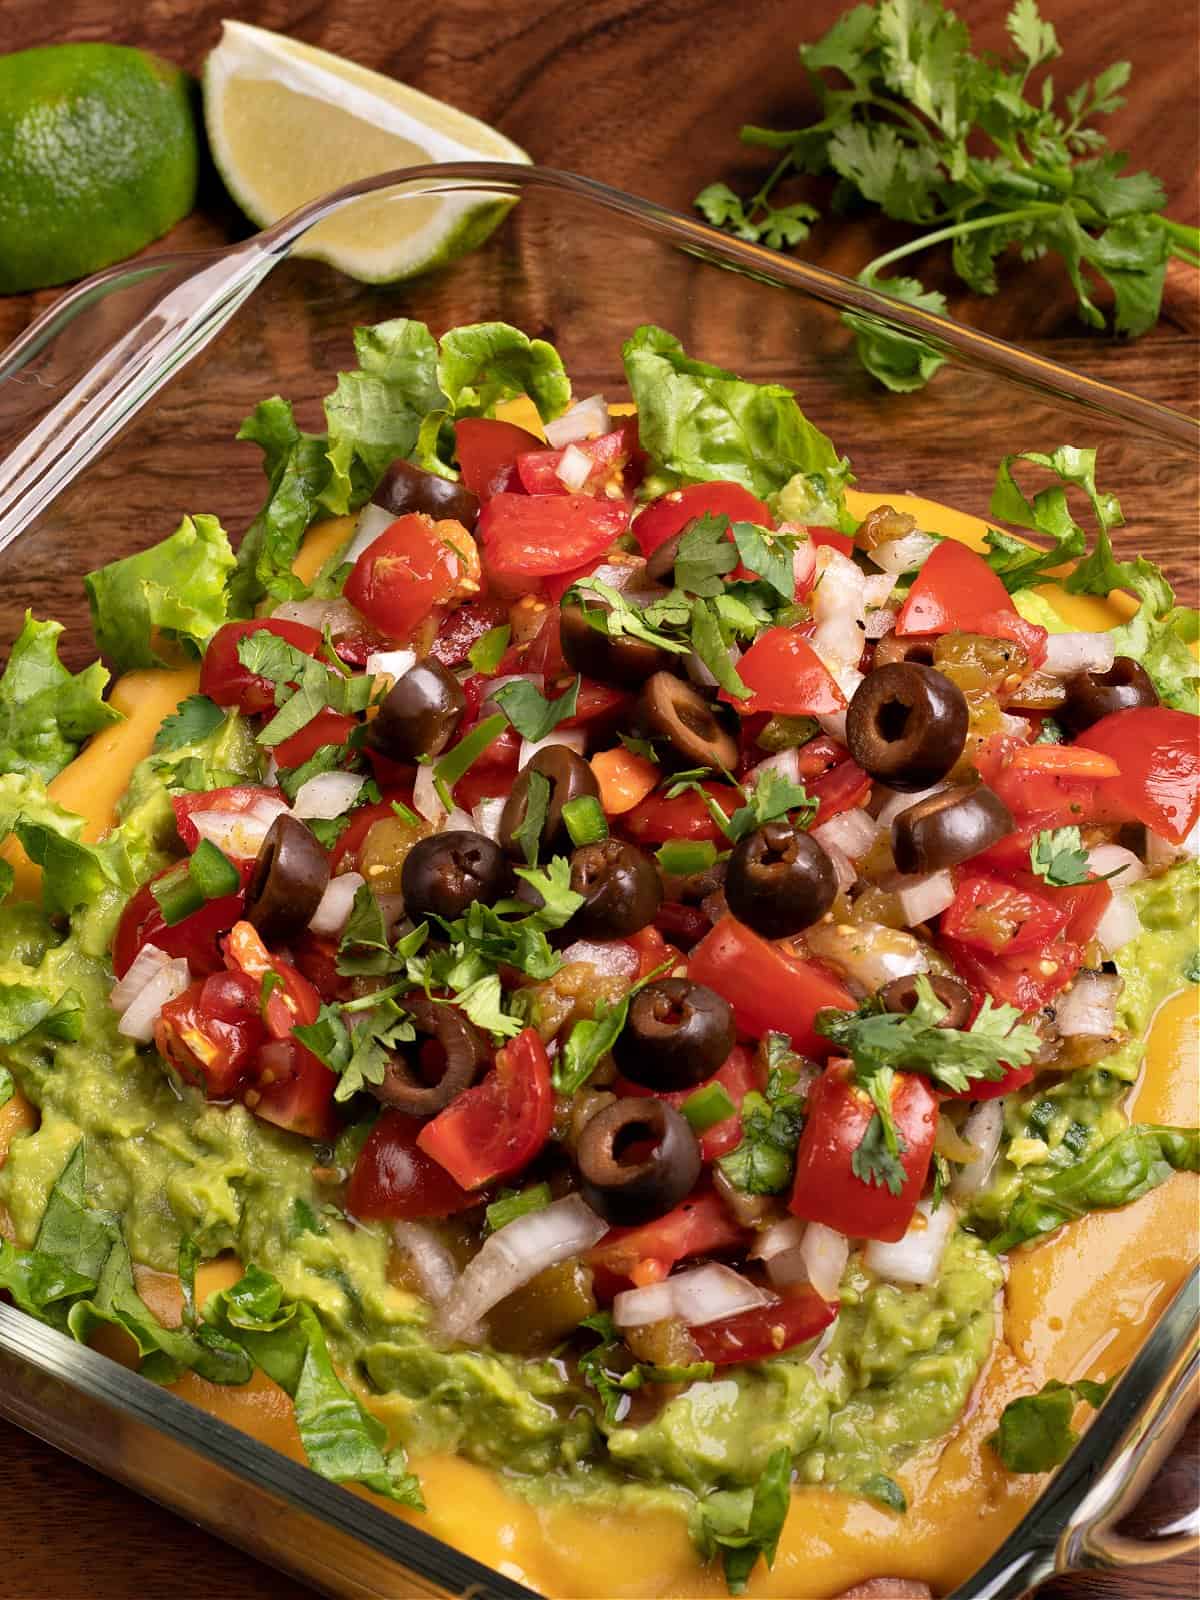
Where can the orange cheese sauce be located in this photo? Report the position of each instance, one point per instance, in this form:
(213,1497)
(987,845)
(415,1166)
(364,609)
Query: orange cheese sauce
(1076,1305)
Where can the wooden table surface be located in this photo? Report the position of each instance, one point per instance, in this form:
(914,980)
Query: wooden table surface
(648,95)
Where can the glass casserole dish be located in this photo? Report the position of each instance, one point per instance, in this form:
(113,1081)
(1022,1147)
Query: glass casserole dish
(87,479)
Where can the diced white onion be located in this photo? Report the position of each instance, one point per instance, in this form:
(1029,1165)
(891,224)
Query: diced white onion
(848,679)
(516,1253)
(852,832)
(486,816)
(574,469)
(804,563)
(574,739)
(917,1257)
(867,953)
(395,663)
(328,795)
(982,1129)
(144,1009)
(877,592)
(239,833)
(613,958)
(623,575)
(1161,853)
(824,1253)
(1126,867)
(433,1263)
(838,609)
(1119,924)
(333,912)
(1069,653)
(339,616)
(372,521)
(705,1294)
(785,762)
(148,961)
(1014,725)
(896,803)
(698,672)
(587,419)
(847,872)
(459,821)
(1088,1008)
(425,796)
(922,898)
(903,555)
(781,1236)
(392,907)
(880,622)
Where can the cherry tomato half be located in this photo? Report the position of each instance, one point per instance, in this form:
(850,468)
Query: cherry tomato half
(656,819)
(529,537)
(699,1226)
(770,992)
(287,1085)
(224,679)
(292,998)
(765,1330)
(487,452)
(957,592)
(1158,752)
(414,566)
(663,518)
(393,1177)
(500,1125)
(211,1032)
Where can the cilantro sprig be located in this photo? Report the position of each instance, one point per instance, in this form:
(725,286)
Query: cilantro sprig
(968,151)
(1035,1432)
(607,1367)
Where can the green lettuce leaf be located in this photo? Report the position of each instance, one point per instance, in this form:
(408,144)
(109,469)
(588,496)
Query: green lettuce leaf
(699,422)
(46,711)
(73,873)
(1035,1432)
(298,472)
(375,413)
(486,362)
(176,588)
(743,1524)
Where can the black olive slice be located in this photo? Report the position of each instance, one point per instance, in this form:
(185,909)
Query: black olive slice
(779,880)
(1093,695)
(906,725)
(618,659)
(419,715)
(676,1035)
(569,777)
(677,711)
(901,995)
(405,488)
(443,874)
(948,827)
(620,886)
(637,1159)
(465,1050)
(290,874)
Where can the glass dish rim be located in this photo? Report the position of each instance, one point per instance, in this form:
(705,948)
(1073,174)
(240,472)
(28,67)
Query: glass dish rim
(236,271)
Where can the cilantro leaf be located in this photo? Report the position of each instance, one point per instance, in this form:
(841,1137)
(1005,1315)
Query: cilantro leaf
(45,711)
(355,1039)
(764,1160)
(607,1367)
(1035,1433)
(615,616)
(876,1157)
(705,554)
(192,720)
(531,714)
(591,1038)
(884,1491)
(1058,857)
(744,1524)
(709,643)
(774,795)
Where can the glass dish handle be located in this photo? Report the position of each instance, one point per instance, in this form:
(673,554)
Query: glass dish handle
(1075,1525)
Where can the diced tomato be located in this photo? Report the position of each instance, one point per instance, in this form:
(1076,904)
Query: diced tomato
(210,1032)
(787,676)
(656,819)
(529,537)
(598,704)
(197,937)
(543,653)
(224,679)
(393,1177)
(841,542)
(652,950)
(414,566)
(957,592)
(289,1086)
(350,840)
(1083,905)
(234,800)
(327,727)
(462,628)
(765,1330)
(663,518)
(1001,917)
(354,644)
(738,1074)
(1158,752)
(291,1000)
(770,992)
(699,1226)
(487,452)
(841,789)
(315,958)
(683,925)
(500,1125)
(1028,980)
(538,469)
(827,1189)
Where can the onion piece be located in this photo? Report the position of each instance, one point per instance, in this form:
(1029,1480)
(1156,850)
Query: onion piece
(824,1253)
(634,1308)
(1126,868)
(239,833)
(1119,924)
(881,622)
(574,739)
(395,663)
(144,1009)
(1089,1007)
(486,816)
(867,953)
(613,958)
(784,762)
(574,469)
(1161,853)
(339,616)
(781,1236)
(917,1257)
(982,1129)
(705,1294)
(851,832)
(877,592)
(838,609)
(372,521)
(896,803)
(847,872)
(459,821)
(426,799)
(586,419)
(699,673)
(804,560)
(904,555)
(148,961)
(1069,653)
(626,573)
(433,1263)
(333,912)
(328,795)
(516,1253)
(925,897)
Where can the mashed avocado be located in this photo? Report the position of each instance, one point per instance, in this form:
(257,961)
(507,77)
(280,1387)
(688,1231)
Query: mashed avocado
(895,1372)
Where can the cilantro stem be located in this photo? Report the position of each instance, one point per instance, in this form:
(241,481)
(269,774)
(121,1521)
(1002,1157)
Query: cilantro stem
(995,219)
(777,172)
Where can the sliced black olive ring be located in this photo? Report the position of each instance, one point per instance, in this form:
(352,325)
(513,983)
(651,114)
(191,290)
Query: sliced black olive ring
(465,1050)
(419,715)
(676,1035)
(907,725)
(620,886)
(901,995)
(569,777)
(290,874)
(443,874)
(660,565)
(637,1159)
(677,711)
(779,880)
(405,488)
(1092,695)
(948,827)
(617,659)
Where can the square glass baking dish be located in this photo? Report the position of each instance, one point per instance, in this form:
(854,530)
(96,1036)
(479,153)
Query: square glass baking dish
(117,414)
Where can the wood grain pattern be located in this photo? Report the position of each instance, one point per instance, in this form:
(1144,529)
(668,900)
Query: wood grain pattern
(647,95)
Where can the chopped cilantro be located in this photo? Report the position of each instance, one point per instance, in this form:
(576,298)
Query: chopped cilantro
(1035,1433)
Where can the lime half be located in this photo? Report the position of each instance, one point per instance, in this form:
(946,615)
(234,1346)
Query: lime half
(287,123)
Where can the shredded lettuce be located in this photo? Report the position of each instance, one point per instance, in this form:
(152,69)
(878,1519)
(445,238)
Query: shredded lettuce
(175,589)
(484,363)
(46,711)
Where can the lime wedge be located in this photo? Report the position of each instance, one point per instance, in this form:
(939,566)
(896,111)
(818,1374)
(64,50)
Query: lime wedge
(287,123)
